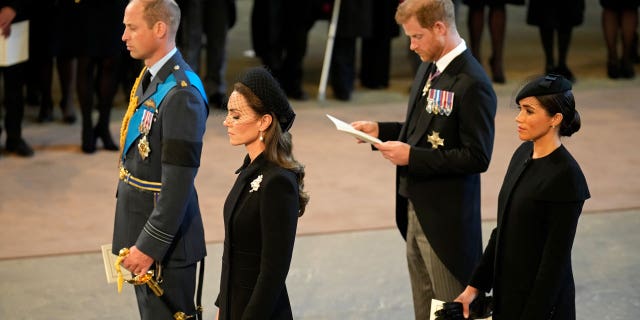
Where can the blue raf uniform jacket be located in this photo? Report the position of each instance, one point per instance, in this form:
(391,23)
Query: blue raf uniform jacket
(164,221)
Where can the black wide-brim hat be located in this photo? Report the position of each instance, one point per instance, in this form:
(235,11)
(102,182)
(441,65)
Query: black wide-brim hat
(544,85)
(268,90)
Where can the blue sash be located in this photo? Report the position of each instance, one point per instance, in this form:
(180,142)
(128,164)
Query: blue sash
(133,131)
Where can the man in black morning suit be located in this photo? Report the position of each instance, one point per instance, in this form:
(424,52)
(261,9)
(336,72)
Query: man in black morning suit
(440,151)
(157,211)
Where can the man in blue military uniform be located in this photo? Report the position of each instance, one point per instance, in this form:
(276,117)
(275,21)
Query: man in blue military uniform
(157,213)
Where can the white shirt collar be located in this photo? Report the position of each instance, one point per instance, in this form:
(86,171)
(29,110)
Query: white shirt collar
(155,68)
(443,62)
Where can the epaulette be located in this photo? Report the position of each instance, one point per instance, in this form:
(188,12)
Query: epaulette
(185,78)
(181,77)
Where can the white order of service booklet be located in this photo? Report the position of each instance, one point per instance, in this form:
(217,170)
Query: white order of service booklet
(345,127)
(15,48)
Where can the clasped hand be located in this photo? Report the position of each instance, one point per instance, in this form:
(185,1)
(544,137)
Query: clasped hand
(137,261)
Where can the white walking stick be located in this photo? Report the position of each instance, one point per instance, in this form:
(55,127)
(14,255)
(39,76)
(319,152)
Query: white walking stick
(322,89)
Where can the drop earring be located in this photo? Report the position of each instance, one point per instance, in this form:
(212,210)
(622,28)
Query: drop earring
(261,137)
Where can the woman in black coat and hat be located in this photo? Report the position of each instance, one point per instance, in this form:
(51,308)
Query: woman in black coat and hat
(528,259)
(261,211)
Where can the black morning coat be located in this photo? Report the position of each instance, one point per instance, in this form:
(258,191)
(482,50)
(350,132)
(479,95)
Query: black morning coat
(444,183)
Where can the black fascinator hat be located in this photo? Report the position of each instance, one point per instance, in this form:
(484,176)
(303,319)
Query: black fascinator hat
(544,85)
(268,90)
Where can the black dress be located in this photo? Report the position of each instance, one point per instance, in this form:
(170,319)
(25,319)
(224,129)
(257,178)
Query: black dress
(558,14)
(620,4)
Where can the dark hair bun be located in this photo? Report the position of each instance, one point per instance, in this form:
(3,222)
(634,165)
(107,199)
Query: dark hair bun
(570,126)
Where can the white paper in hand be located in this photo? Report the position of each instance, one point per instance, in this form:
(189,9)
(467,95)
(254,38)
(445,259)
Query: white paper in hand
(345,127)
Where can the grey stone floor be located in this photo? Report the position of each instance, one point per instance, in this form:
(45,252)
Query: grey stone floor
(334,275)
(354,275)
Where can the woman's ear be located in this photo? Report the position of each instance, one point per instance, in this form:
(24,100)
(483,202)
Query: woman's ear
(265,122)
(556,120)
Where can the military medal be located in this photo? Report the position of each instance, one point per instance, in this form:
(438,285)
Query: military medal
(436,101)
(440,102)
(447,103)
(426,87)
(145,122)
(435,140)
(145,128)
(143,147)
(430,101)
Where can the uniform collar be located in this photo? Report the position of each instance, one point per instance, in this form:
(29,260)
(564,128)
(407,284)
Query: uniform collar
(155,68)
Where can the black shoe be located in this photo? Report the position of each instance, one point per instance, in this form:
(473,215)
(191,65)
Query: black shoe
(88,141)
(497,71)
(549,69)
(68,112)
(88,146)
(564,71)
(19,147)
(68,116)
(626,70)
(342,95)
(105,136)
(635,54)
(374,86)
(69,119)
(613,69)
(45,115)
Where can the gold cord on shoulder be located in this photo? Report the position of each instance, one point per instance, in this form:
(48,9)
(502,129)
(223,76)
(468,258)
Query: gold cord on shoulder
(133,104)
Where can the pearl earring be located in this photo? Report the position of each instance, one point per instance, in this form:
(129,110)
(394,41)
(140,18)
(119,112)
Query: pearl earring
(261,137)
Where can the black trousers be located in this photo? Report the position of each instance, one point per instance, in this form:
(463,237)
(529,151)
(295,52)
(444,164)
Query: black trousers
(14,80)
(179,285)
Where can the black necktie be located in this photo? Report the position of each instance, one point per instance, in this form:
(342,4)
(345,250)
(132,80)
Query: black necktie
(146,79)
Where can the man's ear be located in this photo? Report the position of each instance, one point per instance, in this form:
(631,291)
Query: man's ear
(160,29)
(439,27)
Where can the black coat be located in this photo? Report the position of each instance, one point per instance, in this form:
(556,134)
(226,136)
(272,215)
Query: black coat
(355,19)
(444,183)
(260,218)
(91,28)
(528,259)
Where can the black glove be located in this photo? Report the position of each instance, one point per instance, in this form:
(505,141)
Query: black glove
(481,307)
(450,311)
